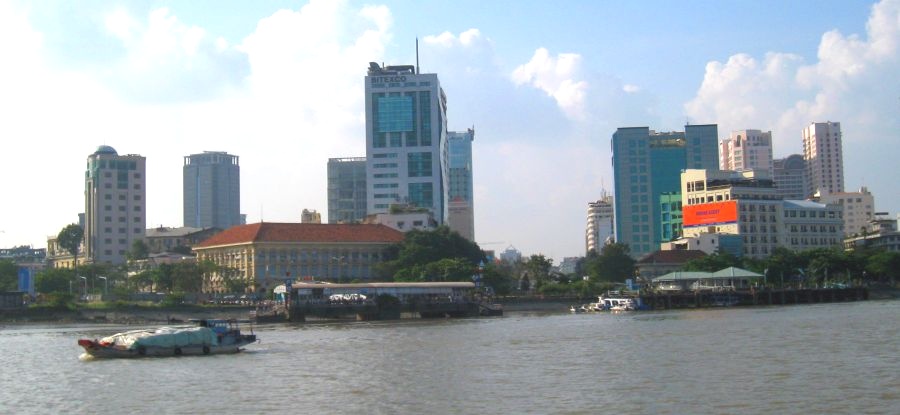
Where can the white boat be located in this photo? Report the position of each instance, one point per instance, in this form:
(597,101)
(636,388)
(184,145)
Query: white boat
(615,304)
(209,336)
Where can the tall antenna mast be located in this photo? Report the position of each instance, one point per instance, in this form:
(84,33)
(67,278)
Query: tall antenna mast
(417,55)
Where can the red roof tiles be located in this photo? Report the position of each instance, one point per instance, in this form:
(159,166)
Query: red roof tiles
(303,232)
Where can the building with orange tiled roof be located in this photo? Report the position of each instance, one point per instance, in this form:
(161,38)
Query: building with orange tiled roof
(264,255)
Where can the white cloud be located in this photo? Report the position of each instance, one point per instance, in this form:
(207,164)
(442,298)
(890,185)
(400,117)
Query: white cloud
(629,88)
(169,61)
(853,79)
(558,77)
(301,104)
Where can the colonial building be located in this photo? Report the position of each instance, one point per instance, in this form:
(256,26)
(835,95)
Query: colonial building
(164,239)
(264,255)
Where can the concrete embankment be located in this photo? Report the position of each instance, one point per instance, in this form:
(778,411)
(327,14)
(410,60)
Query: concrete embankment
(123,315)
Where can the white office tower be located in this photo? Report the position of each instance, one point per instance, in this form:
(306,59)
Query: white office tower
(406,141)
(823,153)
(115,205)
(600,220)
(747,150)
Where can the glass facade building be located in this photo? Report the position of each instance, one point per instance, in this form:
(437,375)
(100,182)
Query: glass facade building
(461,197)
(406,141)
(212,190)
(648,164)
(347,189)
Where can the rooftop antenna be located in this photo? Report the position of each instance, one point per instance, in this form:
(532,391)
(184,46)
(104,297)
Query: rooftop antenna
(417,55)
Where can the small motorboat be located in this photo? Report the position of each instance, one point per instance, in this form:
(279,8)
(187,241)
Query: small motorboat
(208,336)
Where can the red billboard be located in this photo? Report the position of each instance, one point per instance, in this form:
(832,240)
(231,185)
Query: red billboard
(716,213)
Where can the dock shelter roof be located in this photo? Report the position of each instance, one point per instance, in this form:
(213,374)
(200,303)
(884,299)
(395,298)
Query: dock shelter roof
(730,272)
(735,272)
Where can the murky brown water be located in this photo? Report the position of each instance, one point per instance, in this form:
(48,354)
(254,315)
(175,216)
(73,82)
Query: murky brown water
(827,358)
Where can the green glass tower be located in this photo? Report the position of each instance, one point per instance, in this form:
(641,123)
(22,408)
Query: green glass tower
(648,164)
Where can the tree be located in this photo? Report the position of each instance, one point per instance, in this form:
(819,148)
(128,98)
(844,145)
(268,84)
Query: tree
(883,265)
(499,277)
(187,278)
(138,251)
(613,264)
(712,263)
(69,238)
(412,259)
(9,276)
(54,280)
(538,268)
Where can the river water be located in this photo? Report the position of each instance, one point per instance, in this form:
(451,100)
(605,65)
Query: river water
(824,358)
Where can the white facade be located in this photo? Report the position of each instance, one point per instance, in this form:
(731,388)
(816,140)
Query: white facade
(858,209)
(404,222)
(823,153)
(600,223)
(115,205)
(747,150)
(762,218)
(407,156)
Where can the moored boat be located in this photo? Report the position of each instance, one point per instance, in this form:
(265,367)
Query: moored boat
(209,336)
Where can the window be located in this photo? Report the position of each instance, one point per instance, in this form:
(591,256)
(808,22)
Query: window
(419,164)
(421,195)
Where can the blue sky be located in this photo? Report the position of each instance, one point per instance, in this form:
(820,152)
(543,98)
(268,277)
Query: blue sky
(545,84)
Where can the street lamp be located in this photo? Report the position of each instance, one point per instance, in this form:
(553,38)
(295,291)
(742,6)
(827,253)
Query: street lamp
(105,285)
(84,291)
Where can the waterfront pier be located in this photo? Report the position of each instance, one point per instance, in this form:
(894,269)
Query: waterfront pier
(713,298)
(381,301)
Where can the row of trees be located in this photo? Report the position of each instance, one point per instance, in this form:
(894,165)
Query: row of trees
(814,265)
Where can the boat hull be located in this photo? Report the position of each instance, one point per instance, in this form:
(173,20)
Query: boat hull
(95,349)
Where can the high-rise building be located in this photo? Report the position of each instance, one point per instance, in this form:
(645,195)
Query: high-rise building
(858,208)
(600,223)
(648,164)
(823,153)
(790,177)
(747,150)
(212,190)
(406,140)
(461,193)
(115,205)
(346,190)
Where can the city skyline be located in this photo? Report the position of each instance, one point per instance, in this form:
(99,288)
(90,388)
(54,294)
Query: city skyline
(282,86)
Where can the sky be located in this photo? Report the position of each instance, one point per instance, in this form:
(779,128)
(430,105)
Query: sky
(544,84)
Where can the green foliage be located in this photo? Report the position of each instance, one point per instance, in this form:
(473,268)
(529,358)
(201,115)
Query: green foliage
(171,300)
(54,280)
(883,265)
(712,263)
(438,255)
(537,267)
(613,264)
(500,277)
(60,300)
(138,251)
(9,275)
(69,238)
